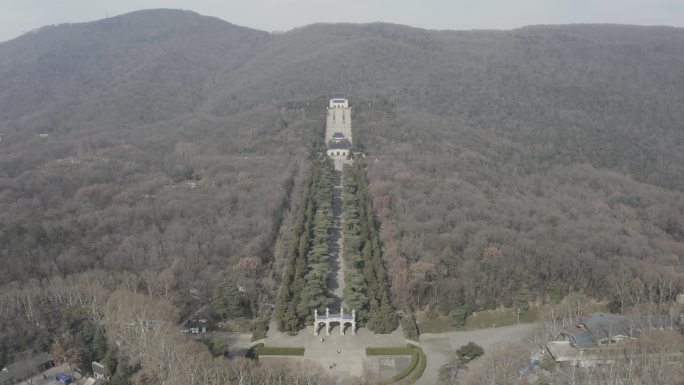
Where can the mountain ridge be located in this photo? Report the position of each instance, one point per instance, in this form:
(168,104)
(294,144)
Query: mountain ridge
(177,15)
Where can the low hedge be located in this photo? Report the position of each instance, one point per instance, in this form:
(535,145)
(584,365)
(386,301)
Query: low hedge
(420,368)
(279,351)
(407,370)
(261,350)
(413,371)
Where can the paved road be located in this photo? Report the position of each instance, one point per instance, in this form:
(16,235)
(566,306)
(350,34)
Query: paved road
(50,376)
(438,347)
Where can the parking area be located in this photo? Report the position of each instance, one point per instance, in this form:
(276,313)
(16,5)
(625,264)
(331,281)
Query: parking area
(47,377)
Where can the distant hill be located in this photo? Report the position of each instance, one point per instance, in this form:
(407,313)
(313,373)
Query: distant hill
(524,162)
(159,60)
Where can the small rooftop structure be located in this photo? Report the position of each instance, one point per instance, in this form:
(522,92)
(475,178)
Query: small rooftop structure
(98,370)
(194,293)
(338,136)
(150,323)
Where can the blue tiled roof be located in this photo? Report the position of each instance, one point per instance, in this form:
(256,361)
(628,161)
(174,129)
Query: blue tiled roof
(603,325)
(581,338)
(584,340)
(338,146)
(338,135)
(65,378)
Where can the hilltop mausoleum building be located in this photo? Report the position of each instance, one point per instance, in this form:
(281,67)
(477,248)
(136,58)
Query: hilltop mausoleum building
(338,135)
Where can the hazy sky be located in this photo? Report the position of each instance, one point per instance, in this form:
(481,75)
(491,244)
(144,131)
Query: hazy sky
(20,16)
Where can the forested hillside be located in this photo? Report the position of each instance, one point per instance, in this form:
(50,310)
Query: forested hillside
(163,147)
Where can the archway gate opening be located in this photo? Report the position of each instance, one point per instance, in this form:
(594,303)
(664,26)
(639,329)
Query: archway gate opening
(329,318)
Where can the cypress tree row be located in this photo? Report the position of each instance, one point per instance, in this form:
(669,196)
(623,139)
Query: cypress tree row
(366,288)
(304,285)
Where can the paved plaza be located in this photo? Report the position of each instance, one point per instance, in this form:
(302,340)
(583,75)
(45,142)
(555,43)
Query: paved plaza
(351,361)
(343,357)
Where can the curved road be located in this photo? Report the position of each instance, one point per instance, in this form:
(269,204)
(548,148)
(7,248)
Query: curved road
(438,347)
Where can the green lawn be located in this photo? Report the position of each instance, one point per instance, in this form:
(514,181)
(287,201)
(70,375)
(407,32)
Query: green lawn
(438,325)
(497,318)
(478,320)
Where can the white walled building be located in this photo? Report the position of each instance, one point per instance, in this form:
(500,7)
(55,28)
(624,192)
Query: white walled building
(339,102)
(336,150)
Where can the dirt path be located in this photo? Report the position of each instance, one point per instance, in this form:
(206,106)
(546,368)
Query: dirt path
(439,346)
